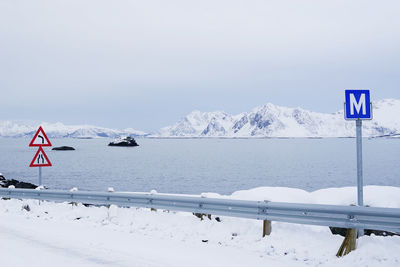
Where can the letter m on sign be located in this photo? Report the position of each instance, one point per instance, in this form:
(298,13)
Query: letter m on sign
(358,105)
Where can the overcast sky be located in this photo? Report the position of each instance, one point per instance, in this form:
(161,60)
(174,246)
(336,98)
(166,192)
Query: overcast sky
(145,64)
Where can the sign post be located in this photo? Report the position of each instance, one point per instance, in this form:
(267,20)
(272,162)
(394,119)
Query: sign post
(40,159)
(40,175)
(360,191)
(358,107)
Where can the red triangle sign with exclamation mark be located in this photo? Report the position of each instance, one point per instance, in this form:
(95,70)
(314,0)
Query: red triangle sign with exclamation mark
(40,159)
(40,138)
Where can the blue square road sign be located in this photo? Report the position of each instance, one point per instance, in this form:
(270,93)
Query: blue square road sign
(357,105)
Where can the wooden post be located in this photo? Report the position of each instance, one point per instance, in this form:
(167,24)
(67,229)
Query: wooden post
(267,228)
(349,243)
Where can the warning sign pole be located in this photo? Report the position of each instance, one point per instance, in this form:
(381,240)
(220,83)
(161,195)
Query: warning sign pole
(40,175)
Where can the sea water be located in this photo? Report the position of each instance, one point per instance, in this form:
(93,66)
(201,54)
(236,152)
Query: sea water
(194,166)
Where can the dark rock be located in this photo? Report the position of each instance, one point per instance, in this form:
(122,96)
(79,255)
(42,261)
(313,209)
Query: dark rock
(343,231)
(338,231)
(127,141)
(380,233)
(202,215)
(18,184)
(60,148)
(26,207)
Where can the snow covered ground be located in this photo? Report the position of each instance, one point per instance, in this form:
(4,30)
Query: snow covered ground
(60,234)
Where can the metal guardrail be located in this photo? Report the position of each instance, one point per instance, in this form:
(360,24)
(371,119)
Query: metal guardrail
(387,219)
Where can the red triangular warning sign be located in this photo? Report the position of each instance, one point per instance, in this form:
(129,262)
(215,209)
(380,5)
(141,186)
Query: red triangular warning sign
(40,159)
(40,138)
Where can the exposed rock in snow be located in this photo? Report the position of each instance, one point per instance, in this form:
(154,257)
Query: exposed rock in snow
(200,123)
(270,120)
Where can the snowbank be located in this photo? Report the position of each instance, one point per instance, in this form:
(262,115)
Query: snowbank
(374,196)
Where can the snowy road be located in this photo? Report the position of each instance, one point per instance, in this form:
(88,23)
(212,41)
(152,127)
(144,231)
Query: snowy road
(48,243)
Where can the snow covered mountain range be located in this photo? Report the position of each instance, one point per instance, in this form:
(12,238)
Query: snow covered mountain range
(266,120)
(59,130)
(270,120)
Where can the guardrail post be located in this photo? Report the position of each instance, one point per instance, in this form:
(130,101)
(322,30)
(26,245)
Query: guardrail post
(152,192)
(267,228)
(74,189)
(349,243)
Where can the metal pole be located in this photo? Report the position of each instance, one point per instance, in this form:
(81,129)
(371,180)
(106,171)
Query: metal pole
(40,176)
(359,163)
(360,195)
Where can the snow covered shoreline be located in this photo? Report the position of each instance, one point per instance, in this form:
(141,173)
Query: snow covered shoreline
(66,235)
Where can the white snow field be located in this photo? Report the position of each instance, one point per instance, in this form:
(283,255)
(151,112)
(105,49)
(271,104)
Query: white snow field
(61,234)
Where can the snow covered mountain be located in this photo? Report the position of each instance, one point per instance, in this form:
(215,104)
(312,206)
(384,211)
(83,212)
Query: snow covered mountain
(275,121)
(266,120)
(59,130)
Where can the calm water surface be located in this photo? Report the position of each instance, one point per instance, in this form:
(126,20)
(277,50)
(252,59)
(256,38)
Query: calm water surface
(205,165)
